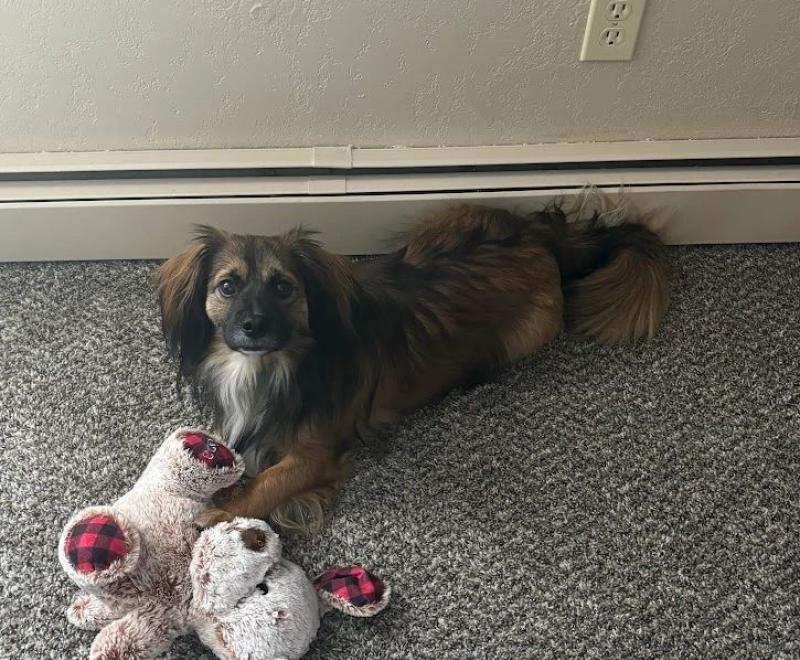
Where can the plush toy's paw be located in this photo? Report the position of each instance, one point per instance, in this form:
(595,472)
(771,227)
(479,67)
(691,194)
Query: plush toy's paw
(352,590)
(194,463)
(89,612)
(140,635)
(98,547)
(211,517)
(207,450)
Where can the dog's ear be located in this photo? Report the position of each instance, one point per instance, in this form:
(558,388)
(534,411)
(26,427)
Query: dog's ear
(181,284)
(328,282)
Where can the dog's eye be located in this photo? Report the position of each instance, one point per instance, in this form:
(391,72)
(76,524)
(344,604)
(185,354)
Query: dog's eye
(282,288)
(227,287)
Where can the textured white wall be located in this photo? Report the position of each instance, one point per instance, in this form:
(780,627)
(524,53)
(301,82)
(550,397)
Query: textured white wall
(150,74)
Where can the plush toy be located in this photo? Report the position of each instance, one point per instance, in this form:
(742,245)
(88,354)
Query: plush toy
(148,575)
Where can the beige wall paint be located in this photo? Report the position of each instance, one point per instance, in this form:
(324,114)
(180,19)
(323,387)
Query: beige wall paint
(150,74)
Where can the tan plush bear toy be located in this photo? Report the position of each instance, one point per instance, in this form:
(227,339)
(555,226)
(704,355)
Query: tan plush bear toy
(148,575)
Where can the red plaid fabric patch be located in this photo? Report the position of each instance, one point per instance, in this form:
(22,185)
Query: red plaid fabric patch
(209,452)
(352,584)
(95,543)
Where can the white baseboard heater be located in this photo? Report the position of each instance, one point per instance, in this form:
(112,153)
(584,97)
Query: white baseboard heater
(138,205)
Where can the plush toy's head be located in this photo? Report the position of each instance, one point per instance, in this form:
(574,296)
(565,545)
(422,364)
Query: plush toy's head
(240,578)
(229,560)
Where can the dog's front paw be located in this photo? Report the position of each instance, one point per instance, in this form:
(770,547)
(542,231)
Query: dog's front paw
(212,517)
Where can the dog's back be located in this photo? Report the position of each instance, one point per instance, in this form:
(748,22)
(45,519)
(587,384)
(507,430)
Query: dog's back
(473,289)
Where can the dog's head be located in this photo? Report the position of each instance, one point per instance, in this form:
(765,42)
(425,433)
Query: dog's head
(256,295)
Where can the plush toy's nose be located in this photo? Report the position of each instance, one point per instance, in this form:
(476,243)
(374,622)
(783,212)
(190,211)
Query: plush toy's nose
(95,543)
(205,450)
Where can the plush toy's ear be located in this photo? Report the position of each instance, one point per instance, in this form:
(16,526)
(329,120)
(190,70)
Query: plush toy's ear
(352,590)
(99,549)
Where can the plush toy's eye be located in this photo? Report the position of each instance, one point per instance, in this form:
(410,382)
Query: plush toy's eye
(282,288)
(227,287)
(263,588)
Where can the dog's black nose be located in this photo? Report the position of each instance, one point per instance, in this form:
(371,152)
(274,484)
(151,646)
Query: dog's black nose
(254,326)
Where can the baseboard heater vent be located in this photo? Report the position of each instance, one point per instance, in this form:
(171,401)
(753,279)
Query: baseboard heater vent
(130,205)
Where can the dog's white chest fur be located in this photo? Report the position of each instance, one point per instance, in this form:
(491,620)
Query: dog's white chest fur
(235,380)
(244,385)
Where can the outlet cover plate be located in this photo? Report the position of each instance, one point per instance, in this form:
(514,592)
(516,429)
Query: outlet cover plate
(597,47)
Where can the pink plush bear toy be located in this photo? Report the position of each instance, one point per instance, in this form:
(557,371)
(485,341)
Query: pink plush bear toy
(148,575)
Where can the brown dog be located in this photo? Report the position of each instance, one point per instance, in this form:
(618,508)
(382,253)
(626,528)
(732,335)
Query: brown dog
(298,349)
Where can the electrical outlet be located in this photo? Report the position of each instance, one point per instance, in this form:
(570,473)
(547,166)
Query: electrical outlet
(612,36)
(618,11)
(611,30)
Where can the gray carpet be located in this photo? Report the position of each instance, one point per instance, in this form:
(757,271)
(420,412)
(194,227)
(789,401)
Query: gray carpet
(593,502)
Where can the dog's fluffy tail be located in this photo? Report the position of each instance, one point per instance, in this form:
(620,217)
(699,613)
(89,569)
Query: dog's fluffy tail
(615,272)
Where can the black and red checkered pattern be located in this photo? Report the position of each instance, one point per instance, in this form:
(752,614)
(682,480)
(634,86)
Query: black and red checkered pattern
(95,543)
(351,584)
(208,451)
